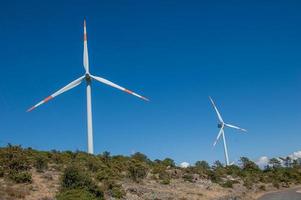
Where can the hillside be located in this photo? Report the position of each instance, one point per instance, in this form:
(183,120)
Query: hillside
(39,175)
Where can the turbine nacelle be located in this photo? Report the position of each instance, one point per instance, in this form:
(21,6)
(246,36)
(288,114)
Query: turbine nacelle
(220,125)
(88,77)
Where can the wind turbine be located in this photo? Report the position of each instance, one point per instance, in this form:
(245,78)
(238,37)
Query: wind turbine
(221,125)
(88,78)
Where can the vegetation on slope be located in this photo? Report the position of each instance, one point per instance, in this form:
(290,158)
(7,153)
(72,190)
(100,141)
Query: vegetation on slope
(96,177)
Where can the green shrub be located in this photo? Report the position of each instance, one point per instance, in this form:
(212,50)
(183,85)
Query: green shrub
(14,158)
(164,177)
(140,157)
(249,165)
(202,164)
(137,170)
(56,157)
(20,177)
(105,174)
(117,192)
(228,184)
(165,181)
(94,164)
(75,178)
(214,177)
(158,169)
(248,183)
(76,194)
(168,162)
(188,177)
(40,164)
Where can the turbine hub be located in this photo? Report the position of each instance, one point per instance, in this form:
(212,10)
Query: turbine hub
(88,77)
(219,125)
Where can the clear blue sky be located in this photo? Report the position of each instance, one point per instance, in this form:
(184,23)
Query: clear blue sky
(177,53)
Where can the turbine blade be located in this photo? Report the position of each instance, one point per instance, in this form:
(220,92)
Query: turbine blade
(62,90)
(218,136)
(216,110)
(86,58)
(235,127)
(107,82)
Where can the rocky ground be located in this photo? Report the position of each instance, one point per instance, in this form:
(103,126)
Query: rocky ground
(45,186)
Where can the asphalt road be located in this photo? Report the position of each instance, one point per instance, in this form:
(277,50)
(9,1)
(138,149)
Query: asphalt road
(290,194)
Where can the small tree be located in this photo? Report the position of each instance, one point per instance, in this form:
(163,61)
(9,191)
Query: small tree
(202,164)
(106,156)
(249,165)
(217,164)
(287,161)
(140,157)
(169,162)
(275,163)
(40,163)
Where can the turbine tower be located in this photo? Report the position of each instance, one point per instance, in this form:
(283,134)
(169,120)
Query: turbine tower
(88,78)
(221,125)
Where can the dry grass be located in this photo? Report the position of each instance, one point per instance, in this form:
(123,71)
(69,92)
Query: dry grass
(45,185)
(10,191)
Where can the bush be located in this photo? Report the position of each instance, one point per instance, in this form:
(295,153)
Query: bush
(140,157)
(117,192)
(214,177)
(168,162)
(40,164)
(248,183)
(13,158)
(20,177)
(228,184)
(75,178)
(94,164)
(164,177)
(188,177)
(76,194)
(202,164)
(105,174)
(56,157)
(158,168)
(165,181)
(137,170)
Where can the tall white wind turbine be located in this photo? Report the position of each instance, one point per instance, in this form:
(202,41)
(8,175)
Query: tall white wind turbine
(221,125)
(87,78)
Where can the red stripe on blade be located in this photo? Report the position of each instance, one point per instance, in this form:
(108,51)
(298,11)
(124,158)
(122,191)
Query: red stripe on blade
(128,91)
(47,99)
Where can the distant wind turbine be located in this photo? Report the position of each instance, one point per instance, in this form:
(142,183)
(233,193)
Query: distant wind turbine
(88,78)
(221,125)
